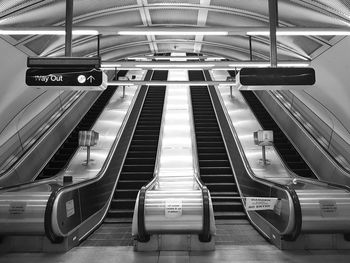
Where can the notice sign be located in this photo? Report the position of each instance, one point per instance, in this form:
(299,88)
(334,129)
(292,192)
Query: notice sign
(260,203)
(173,208)
(328,208)
(70,208)
(17,208)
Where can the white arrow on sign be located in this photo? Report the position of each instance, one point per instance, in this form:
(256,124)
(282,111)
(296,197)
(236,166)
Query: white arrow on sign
(91,79)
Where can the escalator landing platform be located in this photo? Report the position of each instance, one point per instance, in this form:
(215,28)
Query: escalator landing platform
(223,254)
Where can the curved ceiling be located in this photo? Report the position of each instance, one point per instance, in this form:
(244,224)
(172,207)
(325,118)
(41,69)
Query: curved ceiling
(190,13)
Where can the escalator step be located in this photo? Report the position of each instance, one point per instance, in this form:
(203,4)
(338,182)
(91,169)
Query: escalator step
(217,178)
(123,204)
(139,161)
(140,154)
(211,150)
(136,175)
(138,168)
(221,187)
(215,170)
(211,156)
(229,215)
(120,213)
(214,163)
(126,193)
(229,206)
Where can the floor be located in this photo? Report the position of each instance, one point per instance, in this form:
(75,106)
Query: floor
(234,243)
(223,253)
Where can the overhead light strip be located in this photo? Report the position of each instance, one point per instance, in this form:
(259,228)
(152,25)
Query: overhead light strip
(211,65)
(300,32)
(171,33)
(184,31)
(177,65)
(46,32)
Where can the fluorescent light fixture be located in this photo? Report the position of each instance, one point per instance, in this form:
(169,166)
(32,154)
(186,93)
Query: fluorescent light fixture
(313,33)
(46,32)
(268,64)
(110,65)
(171,33)
(85,32)
(123,68)
(186,65)
(301,32)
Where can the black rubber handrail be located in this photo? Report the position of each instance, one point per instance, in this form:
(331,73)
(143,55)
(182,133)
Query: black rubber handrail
(142,233)
(205,236)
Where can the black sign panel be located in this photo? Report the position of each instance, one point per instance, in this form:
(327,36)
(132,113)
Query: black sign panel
(63,77)
(277,76)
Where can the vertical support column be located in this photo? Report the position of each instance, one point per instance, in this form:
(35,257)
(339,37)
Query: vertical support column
(250,49)
(69,27)
(98,45)
(273,17)
(264,155)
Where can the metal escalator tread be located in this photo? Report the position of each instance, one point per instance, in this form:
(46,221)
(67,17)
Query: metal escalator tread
(139,163)
(63,155)
(282,144)
(215,169)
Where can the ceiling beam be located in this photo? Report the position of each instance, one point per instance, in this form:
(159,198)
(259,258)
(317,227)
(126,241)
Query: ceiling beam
(147,21)
(201,22)
(148,30)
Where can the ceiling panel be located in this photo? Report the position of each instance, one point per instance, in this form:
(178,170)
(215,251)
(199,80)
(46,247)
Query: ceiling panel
(175,37)
(230,19)
(196,2)
(174,16)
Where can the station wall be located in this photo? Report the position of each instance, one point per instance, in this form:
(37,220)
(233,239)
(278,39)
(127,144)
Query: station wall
(16,108)
(332,87)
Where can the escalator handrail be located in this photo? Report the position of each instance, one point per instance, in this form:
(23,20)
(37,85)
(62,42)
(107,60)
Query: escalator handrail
(291,192)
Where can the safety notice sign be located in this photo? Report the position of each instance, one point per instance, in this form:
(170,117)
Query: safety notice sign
(173,208)
(260,203)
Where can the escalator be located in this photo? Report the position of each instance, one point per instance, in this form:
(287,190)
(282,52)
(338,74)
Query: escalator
(282,144)
(137,170)
(66,151)
(214,165)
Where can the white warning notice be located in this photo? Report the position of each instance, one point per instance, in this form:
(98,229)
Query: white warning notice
(328,208)
(70,208)
(173,208)
(260,203)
